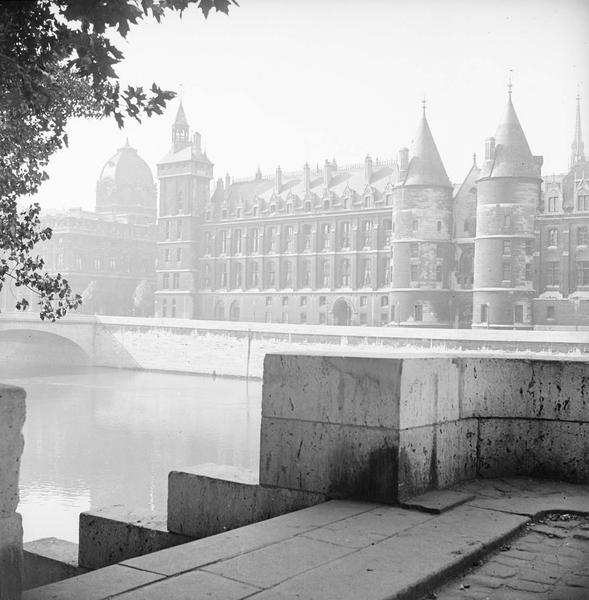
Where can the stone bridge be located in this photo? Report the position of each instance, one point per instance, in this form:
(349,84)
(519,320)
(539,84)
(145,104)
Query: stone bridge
(238,348)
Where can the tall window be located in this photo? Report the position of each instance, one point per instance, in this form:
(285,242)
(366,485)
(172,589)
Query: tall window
(415,225)
(178,255)
(345,239)
(582,236)
(164,308)
(271,239)
(552,273)
(325,273)
(583,272)
(414,250)
(418,312)
(207,276)
(518,313)
(223,242)
(271,275)
(507,222)
(388,199)
(255,277)
(387,271)
(289,238)
(366,233)
(438,272)
(413,275)
(208,242)
(388,231)
(306,278)
(553,237)
(175,280)
(166,281)
(237,240)
(287,274)
(345,270)
(255,240)
(307,236)
(223,276)
(168,230)
(552,203)
(484,313)
(366,272)
(583,202)
(325,230)
(179,230)
(506,247)
(237,276)
(506,271)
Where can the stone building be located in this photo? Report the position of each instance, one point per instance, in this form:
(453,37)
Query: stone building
(108,256)
(381,242)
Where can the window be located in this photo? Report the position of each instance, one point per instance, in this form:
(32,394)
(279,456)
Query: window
(97,264)
(528,247)
(178,254)
(325,273)
(79,263)
(303,301)
(553,237)
(322,319)
(387,226)
(255,240)
(414,250)
(175,280)
(550,312)
(363,300)
(167,255)
(484,313)
(284,317)
(438,272)
(439,226)
(345,278)
(168,230)
(363,319)
(303,317)
(255,211)
(506,222)
(307,206)
(237,240)
(415,225)
(518,313)
(506,247)
(366,233)
(384,318)
(166,281)
(307,236)
(552,200)
(164,307)
(307,273)
(583,272)
(179,230)
(271,239)
(237,276)
(384,300)
(223,276)
(223,242)
(268,300)
(208,242)
(345,235)
(238,212)
(506,271)
(387,271)
(289,238)
(325,230)
(366,272)
(289,207)
(207,276)
(255,275)
(388,199)
(322,300)
(552,273)
(367,201)
(528,272)
(271,275)
(583,202)
(582,236)
(325,204)
(284,300)
(287,274)
(465,226)
(393,312)
(418,312)
(440,250)
(224,213)
(413,273)
(272,208)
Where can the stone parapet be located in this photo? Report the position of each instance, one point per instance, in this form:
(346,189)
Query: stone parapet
(12,418)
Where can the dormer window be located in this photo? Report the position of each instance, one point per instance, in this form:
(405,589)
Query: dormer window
(552,203)
(255,211)
(326,205)
(272,208)
(367,200)
(307,206)
(289,207)
(238,212)
(388,200)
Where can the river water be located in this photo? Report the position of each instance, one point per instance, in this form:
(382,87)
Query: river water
(96,437)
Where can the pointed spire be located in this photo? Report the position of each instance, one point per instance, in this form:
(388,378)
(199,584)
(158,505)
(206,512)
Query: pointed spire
(425,166)
(181,116)
(512,156)
(577,148)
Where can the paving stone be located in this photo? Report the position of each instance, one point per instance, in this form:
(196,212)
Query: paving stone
(96,585)
(484,580)
(528,586)
(271,565)
(569,524)
(437,501)
(501,571)
(567,593)
(576,581)
(582,535)
(551,532)
(539,575)
(196,584)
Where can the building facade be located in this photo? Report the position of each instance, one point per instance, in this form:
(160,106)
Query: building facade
(381,242)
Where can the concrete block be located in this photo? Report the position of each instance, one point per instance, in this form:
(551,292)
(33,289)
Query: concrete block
(340,461)
(12,418)
(525,388)
(542,448)
(114,534)
(48,560)
(96,585)
(209,499)
(354,391)
(436,456)
(11,560)
(429,392)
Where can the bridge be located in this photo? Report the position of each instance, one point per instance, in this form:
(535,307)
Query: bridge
(223,347)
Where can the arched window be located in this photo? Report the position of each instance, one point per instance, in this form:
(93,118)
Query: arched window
(234,311)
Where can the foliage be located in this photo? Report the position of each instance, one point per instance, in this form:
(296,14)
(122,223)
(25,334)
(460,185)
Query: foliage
(57,61)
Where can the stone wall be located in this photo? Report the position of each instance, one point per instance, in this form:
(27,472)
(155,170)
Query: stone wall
(12,417)
(385,429)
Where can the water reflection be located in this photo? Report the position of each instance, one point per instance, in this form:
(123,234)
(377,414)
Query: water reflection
(96,437)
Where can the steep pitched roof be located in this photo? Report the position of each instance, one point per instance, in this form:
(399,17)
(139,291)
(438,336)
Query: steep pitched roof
(425,165)
(577,148)
(181,116)
(513,157)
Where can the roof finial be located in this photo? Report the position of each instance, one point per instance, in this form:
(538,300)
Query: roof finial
(510,83)
(424,104)
(127,142)
(474,159)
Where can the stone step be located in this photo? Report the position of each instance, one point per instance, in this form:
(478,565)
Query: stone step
(208,499)
(437,501)
(113,534)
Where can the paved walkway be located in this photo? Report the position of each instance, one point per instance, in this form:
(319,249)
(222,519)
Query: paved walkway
(346,550)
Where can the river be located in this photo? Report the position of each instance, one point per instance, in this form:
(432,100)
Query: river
(96,437)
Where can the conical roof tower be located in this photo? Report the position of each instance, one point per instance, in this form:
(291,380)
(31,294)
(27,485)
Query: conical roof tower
(577,148)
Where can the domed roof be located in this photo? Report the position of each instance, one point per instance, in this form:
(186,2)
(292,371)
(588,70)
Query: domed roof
(126,184)
(126,167)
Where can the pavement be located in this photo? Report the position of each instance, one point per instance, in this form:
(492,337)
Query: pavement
(349,550)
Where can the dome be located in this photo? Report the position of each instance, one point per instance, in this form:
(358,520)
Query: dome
(125,185)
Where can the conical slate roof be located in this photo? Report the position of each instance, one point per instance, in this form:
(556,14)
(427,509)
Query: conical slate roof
(578,150)
(181,116)
(425,165)
(513,157)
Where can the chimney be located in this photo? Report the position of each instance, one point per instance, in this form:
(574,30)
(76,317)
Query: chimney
(403,160)
(326,173)
(278,181)
(367,168)
(307,177)
(490,148)
(220,187)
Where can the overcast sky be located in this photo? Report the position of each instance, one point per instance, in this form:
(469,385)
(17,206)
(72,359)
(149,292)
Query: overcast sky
(281,82)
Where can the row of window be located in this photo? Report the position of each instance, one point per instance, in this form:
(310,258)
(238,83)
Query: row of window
(303,300)
(518,313)
(552,204)
(552,273)
(98,264)
(582,236)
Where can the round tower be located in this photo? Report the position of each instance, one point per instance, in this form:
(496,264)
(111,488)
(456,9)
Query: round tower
(421,240)
(508,194)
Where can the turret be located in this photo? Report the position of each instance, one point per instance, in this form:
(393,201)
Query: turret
(577,147)
(180,130)
(508,192)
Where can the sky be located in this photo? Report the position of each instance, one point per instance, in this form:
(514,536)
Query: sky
(279,82)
